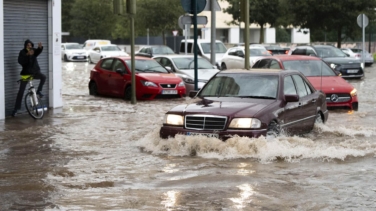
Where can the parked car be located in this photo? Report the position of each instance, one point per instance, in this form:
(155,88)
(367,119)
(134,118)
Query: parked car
(90,44)
(339,61)
(204,49)
(234,57)
(357,54)
(99,52)
(72,52)
(272,48)
(183,66)
(339,93)
(249,103)
(112,77)
(155,50)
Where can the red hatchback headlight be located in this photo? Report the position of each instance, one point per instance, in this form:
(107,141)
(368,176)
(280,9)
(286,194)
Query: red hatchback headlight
(149,83)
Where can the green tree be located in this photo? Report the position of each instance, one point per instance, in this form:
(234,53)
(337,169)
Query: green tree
(327,16)
(261,12)
(93,19)
(66,6)
(158,16)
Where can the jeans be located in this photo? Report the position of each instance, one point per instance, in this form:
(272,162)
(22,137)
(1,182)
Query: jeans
(23,84)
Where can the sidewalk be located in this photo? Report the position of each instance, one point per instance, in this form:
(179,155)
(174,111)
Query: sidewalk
(23,120)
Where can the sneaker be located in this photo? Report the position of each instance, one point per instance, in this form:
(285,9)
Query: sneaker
(40,94)
(14,112)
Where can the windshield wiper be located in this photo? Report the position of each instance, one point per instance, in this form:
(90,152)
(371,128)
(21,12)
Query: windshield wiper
(263,97)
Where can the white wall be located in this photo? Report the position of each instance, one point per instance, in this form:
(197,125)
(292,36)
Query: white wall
(233,35)
(300,37)
(269,35)
(2,82)
(54,41)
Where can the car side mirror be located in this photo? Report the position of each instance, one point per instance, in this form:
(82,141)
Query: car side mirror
(168,68)
(192,93)
(291,98)
(120,71)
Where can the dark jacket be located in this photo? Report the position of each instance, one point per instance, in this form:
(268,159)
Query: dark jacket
(29,63)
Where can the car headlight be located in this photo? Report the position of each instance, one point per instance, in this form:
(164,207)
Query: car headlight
(245,123)
(104,56)
(333,66)
(188,80)
(181,84)
(353,92)
(149,83)
(173,119)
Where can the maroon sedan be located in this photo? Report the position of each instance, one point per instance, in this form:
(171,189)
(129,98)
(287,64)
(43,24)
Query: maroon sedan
(339,93)
(112,77)
(249,103)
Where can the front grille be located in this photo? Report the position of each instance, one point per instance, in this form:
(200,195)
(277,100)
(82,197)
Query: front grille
(81,57)
(348,66)
(205,122)
(168,85)
(337,98)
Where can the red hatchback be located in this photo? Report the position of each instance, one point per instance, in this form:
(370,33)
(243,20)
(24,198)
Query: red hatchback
(112,77)
(339,93)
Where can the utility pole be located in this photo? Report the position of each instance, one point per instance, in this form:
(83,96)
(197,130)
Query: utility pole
(244,16)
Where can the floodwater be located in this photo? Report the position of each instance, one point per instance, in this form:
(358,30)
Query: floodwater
(99,153)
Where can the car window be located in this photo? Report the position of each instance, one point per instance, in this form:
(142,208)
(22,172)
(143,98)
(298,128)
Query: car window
(274,64)
(96,49)
(240,53)
(190,47)
(165,62)
(118,65)
(264,63)
(289,86)
(62,47)
(106,64)
(162,50)
(300,85)
(329,51)
(299,51)
(310,52)
(309,67)
(232,52)
(242,85)
(218,48)
(110,48)
(184,63)
(146,66)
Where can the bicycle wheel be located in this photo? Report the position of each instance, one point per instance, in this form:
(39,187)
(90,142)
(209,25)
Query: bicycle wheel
(35,111)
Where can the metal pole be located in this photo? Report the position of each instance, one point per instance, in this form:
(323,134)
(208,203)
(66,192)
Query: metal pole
(213,34)
(148,35)
(363,29)
(186,38)
(246,35)
(194,2)
(133,101)
(175,43)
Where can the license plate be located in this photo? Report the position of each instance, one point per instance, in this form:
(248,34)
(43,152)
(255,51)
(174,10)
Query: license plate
(80,57)
(352,71)
(210,135)
(169,92)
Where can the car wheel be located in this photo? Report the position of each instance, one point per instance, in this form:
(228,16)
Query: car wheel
(355,106)
(93,89)
(274,129)
(223,66)
(65,58)
(319,119)
(89,60)
(128,93)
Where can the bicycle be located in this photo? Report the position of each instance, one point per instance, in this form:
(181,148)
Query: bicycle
(33,103)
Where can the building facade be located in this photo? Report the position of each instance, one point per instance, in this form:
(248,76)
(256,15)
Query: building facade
(38,21)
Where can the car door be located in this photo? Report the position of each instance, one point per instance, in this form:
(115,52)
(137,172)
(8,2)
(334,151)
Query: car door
(239,59)
(117,78)
(95,54)
(289,117)
(105,69)
(230,60)
(307,104)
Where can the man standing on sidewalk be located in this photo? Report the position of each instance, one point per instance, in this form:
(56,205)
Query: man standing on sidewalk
(27,58)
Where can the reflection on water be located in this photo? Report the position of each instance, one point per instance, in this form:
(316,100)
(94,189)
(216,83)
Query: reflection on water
(170,200)
(246,191)
(243,169)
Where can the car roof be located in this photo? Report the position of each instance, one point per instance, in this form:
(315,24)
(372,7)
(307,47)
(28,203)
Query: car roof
(293,57)
(261,71)
(177,56)
(70,43)
(129,57)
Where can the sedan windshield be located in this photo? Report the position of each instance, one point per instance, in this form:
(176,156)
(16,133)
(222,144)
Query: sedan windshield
(218,48)
(325,52)
(73,47)
(186,63)
(110,48)
(242,85)
(146,66)
(309,67)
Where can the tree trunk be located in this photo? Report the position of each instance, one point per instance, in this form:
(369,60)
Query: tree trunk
(261,33)
(339,37)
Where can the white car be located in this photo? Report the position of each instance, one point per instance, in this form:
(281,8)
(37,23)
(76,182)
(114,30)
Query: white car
(234,57)
(73,52)
(183,66)
(104,51)
(357,54)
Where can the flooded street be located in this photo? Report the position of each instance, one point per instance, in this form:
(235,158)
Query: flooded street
(99,153)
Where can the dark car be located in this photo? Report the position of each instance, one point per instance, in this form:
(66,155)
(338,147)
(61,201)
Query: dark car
(334,57)
(155,50)
(112,77)
(339,93)
(251,103)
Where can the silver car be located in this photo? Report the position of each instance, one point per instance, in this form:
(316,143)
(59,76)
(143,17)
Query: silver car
(234,57)
(183,66)
(357,54)
(72,52)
